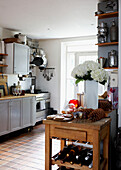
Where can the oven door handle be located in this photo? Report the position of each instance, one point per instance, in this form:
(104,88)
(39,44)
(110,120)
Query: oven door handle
(39,99)
(47,100)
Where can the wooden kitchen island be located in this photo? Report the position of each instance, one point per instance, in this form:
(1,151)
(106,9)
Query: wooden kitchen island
(81,130)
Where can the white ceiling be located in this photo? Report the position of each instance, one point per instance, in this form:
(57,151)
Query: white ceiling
(43,19)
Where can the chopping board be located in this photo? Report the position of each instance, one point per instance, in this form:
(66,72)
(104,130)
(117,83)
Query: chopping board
(3,81)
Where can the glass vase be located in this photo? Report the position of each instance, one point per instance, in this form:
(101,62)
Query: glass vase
(91,94)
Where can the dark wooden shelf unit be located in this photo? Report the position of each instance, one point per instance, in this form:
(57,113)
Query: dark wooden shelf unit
(107,15)
(2,54)
(108,43)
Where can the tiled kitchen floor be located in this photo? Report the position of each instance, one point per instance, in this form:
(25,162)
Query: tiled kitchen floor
(26,151)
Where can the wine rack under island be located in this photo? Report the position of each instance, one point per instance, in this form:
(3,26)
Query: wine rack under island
(83,131)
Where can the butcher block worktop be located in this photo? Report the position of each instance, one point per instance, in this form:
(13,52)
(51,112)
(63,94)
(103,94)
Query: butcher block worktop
(16,97)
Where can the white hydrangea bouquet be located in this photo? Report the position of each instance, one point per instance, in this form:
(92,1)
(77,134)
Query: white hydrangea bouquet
(90,70)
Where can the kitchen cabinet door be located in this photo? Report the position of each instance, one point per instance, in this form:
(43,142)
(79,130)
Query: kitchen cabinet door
(4,117)
(16,114)
(18,59)
(21,59)
(27,112)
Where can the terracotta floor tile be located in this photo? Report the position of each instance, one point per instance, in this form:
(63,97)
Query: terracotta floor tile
(2,156)
(5,167)
(2,162)
(12,168)
(27,168)
(1,152)
(7,153)
(10,164)
(16,165)
(9,159)
(26,151)
(15,155)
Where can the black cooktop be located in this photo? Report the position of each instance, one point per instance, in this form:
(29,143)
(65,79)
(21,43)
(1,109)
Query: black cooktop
(36,91)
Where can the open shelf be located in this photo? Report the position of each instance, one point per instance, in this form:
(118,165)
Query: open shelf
(111,68)
(76,166)
(108,43)
(2,54)
(107,15)
(67,164)
(1,65)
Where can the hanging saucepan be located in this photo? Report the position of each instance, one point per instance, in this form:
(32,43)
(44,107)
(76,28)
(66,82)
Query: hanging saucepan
(37,60)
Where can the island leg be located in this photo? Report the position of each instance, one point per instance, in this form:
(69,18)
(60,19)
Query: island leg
(96,150)
(48,148)
(106,148)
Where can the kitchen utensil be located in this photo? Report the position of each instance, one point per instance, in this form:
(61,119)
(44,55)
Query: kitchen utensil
(12,88)
(21,38)
(101,61)
(112,59)
(1,62)
(2,47)
(108,6)
(102,32)
(37,61)
(4,85)
(113,32)
(2,90)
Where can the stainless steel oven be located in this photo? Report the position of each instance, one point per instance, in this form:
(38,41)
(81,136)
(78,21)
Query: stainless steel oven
(42,105)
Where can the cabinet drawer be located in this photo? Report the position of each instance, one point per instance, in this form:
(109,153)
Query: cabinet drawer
(63,132)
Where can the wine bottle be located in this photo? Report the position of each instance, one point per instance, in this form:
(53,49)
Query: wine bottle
(81,156)
(63,152)
(89,155)
(64,168)
(88,158)
(91,165)
(71,155)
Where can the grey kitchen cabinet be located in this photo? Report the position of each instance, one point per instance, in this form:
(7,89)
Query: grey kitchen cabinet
(4,117)
(16,114)
(18,59)
(29,115)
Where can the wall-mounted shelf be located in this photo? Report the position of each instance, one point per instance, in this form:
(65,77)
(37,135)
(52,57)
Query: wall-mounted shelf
(106,44)
(107,15)
(2,54)
(1,65)
(111,68)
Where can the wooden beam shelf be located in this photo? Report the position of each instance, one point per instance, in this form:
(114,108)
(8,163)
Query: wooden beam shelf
(2,54)
(1,65)
(106,44)
(107,15)
(112,68)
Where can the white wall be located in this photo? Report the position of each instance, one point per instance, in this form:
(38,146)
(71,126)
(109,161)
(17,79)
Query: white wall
(5,33)
(53,53)
(53,50)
